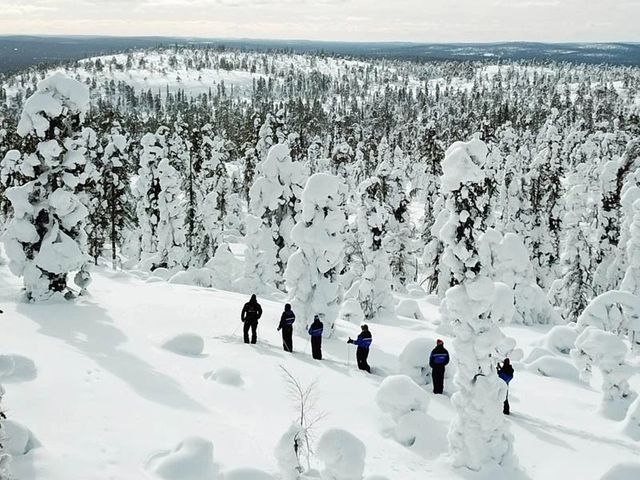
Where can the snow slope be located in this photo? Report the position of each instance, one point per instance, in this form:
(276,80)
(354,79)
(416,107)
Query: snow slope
(102,395)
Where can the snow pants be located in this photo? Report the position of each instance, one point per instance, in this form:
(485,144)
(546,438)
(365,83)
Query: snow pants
(253,325)
(361,356)
(506,407)
(287,338)
(316,348)
(437,375)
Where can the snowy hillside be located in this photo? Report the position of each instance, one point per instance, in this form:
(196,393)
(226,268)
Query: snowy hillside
(101,396)
(145,196)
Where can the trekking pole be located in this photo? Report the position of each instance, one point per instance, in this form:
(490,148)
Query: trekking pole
(348,360)
(306,347)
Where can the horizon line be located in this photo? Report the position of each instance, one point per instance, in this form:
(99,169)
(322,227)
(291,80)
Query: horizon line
(302,40)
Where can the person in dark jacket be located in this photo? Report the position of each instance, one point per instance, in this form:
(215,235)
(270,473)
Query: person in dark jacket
(315,330)
(287,319)
(363,342)
(505,372)
(251,313)
(438,361)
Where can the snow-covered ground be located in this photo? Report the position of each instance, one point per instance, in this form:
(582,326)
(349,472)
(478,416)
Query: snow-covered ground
(101,395)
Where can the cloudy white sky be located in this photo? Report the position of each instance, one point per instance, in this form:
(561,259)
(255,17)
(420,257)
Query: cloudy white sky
(359,20)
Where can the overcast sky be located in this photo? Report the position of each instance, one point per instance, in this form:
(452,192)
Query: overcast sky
(359,20)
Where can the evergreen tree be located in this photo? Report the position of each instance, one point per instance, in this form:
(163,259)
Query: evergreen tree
(312,271)
(472,443)
(45,239)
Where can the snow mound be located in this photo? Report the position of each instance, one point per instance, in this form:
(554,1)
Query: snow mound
(623,471)
(189,344)
(537,353)
(555,367)
(247,474)
(409,308)
(631,424)
(226,376)
(351,311)
(560,338)
(17,439)
(286,454)
(414,360)
(398,395)
(416,291)
(6,365)
(16,368)
(199,277)
(191,459)
(343,455)
(422,434)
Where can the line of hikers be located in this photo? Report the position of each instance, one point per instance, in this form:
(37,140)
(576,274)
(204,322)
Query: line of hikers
(438,360)
(252,311)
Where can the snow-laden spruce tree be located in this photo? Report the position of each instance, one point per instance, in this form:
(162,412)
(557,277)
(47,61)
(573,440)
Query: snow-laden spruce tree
(515,270)
(546,192)
(573,290)
(479,435)
(275,198)
(372,291)
(312,272)
(595,347)
(214,192)
(147,190)
(45,239)
(259,259)
(5,458)
(115,191)
(631,280)
(172,250)
(399,236)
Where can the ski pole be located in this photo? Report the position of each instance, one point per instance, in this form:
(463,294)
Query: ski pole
(348,360)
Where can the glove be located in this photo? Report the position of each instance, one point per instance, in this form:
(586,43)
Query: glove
(278,328)
(349,341)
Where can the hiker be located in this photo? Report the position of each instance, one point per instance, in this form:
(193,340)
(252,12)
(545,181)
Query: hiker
(438,361)
(287,320)
(364,343)
(505,372)
(315,330)
(251,313)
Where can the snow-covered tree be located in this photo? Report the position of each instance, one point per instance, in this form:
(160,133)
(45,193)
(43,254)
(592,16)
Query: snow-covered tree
(546,190)
(214,192)
(275,197)
(115,191)
(631,280)
(45,239)
(259,258)
(478,435)
(147,192)
(595,347)
(312,271)
(172,252)
(372,290)
(515,270)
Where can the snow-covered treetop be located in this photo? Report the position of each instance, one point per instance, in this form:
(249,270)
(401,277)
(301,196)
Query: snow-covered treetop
(463,164)
(56,95)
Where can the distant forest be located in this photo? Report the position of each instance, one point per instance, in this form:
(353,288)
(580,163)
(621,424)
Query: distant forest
(19,52)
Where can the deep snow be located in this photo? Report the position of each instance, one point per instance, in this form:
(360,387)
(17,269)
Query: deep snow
(104,400)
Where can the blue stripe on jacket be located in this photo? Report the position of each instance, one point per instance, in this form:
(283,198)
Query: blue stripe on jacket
(315,332)
(364,342)
(439,358)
